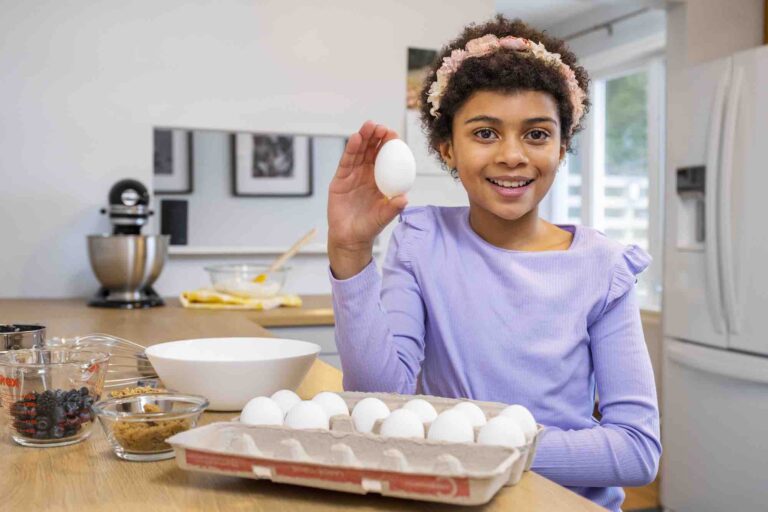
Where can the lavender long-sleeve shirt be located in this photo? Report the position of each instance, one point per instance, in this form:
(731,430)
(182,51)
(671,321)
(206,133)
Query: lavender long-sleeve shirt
(541,329)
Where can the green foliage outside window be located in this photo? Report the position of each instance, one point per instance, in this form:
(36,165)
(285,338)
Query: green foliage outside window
(626,125)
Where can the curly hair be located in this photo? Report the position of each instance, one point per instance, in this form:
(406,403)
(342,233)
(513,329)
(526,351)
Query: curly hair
(501,71)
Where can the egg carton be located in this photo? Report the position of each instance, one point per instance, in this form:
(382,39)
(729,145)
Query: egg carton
(345,460)
(396,401)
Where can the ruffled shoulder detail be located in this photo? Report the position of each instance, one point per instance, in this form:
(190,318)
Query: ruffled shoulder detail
(632,261)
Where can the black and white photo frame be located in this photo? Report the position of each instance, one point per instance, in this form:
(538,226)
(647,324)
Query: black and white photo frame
(271,165)
(172,161)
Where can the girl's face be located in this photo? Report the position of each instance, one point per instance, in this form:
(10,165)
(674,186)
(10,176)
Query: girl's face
(506,148)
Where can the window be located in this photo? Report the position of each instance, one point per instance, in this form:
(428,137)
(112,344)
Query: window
(612,181)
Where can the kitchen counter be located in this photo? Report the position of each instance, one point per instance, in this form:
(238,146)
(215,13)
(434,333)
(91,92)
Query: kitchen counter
(87,476)
(315,310)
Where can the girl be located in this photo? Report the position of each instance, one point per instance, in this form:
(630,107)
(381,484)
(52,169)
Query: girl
(491,302)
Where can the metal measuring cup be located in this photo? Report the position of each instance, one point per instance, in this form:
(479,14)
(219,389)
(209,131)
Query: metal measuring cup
(18,336)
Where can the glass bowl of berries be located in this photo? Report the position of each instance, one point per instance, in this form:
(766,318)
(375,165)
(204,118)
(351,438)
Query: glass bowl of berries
(48,394)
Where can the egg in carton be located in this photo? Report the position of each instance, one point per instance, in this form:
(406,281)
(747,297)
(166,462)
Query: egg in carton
(377,414)
(395,401)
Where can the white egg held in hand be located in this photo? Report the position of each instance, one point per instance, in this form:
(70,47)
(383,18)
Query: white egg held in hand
(474,414)
(262,411)
(306,415)
(332,403)
(395,168)
(285,399)
(453,426)
(367,411)
(524,419)
(403,423)
(502,431)
(422,408)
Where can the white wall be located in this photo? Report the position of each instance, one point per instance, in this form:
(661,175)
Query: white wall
(82,84)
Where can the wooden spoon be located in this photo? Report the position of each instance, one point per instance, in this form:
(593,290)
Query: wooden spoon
(279,262)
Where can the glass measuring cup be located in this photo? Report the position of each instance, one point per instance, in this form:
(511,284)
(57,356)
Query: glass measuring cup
(47,394)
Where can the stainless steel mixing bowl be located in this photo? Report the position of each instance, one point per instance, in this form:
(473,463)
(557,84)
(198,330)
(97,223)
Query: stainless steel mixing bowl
(127,264)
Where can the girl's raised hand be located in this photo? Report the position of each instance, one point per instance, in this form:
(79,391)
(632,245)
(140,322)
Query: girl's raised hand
(357,210)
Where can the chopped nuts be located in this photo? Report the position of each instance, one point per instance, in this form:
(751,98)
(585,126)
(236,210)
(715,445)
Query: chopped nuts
(141,390)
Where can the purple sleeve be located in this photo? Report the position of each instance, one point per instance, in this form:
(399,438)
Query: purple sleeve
(380,331)
(624,449)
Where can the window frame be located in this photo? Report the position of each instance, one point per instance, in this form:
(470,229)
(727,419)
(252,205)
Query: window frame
(646,55)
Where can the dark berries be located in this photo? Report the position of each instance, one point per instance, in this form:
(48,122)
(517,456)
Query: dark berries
(52,414)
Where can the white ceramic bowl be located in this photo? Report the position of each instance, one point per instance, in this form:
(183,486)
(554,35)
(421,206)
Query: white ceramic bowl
(231,371)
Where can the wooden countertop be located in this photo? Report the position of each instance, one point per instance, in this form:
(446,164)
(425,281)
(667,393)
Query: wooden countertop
(88,477)
(315,310)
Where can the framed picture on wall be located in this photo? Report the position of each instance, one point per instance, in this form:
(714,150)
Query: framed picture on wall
(271,165)
(172,161)
(419,62)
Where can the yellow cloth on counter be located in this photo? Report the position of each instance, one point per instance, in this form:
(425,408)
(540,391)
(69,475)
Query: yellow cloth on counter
(211,299)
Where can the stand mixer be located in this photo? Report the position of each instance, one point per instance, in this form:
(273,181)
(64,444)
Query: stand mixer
(126,263)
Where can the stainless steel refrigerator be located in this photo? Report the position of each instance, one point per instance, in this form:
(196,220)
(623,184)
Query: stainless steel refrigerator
(715,299)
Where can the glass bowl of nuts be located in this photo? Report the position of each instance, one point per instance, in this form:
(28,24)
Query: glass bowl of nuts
(137,425)
(48,394)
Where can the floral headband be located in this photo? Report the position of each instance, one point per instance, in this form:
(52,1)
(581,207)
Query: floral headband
(490,43)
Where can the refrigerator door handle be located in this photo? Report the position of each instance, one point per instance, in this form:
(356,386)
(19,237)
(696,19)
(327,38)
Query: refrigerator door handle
(727,269)
(710,196)
(725,363)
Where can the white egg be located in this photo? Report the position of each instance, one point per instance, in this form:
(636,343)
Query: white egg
(502,431)
(262,411)
(332,403)
(367,411)
(402,423)
(453,426)
(395,168)
(306,414)
(422,408)
(524,419)
(473,413)
(285,399)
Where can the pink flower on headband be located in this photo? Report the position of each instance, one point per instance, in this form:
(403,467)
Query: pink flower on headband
(514,43)
(488,44)
(482,45)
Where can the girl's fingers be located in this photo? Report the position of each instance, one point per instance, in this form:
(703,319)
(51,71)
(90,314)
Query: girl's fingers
(373,146)
(363,146)
(354,151)
(366,132)
(391,134)
(391,209)
(354,144)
